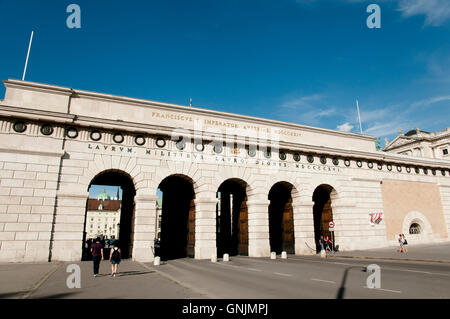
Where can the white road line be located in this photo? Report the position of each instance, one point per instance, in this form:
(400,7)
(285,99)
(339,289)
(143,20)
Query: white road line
(253,269)
(421,272)
(321,280)
(389,290)
(345,264)
(281,274)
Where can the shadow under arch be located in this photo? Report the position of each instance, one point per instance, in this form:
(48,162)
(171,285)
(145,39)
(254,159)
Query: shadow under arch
(127,206)
(281,218)
(232,218)
(322,212)
(177,217)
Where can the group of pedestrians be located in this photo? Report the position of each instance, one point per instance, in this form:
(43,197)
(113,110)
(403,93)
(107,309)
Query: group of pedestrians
(98,256)
(403,242)
(326,243)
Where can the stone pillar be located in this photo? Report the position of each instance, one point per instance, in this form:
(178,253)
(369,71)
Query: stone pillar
(304,227)
(68,227)
(144,228)
(258,228)
(205,228)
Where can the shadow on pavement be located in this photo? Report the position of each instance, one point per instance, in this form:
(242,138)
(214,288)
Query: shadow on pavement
(12,295)
(341,291)
(134,273)
(57,296)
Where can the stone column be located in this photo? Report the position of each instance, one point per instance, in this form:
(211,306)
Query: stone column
(144,227)
(258,228)
(352,223)
(66,237)
(205,228)
(304,227)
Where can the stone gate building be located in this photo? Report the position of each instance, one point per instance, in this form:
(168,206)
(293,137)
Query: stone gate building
(230,183)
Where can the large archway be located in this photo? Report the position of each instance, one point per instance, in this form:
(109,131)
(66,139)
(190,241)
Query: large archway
(323,213)
(281,218)
(111,219)
(232,218)
(177,218)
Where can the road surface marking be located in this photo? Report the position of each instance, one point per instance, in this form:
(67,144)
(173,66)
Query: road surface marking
(389,290)
(321,280)
(344,264)
(280,274)
(254,269)
(421,272)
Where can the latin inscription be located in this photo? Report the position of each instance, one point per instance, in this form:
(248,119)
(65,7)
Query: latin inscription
(203,158)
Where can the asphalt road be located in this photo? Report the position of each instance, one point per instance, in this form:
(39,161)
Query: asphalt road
(298,277)
(307,277)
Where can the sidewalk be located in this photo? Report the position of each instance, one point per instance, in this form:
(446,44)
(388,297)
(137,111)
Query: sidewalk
(439,252)
(18,280)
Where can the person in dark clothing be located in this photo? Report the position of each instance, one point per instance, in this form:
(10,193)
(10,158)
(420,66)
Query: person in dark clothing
(114,258)
(322,243)
(157,244)
(97,255)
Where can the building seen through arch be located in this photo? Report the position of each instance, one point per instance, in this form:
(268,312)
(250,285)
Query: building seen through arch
(114,218)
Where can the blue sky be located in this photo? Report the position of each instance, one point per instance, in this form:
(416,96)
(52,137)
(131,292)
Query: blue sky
(96,190)
(302,61)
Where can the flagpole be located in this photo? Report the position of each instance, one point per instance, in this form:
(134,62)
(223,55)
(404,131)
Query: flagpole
(28,54)
(359,117)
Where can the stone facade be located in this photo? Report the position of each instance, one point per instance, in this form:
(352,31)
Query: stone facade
(422,144)
(54,141)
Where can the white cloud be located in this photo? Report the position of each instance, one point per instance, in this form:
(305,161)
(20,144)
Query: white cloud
(309,109)
(428,102)
(304,101)
(346,127)
(435,11)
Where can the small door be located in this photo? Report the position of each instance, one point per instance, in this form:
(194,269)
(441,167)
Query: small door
(243,229)
(191,230)
(288,228)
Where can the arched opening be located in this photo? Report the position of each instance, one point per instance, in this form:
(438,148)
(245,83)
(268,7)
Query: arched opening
(323,214)
(415,229)
(281,219)
(110,213)
(232,218)
(177,218)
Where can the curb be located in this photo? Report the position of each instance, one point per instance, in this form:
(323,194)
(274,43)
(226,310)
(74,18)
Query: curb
(39,283)
(394,259)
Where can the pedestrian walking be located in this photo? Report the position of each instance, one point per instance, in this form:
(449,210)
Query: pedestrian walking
(328,243)
(400,241)
(114,258)
(405,243)
(97,255)
(322,243)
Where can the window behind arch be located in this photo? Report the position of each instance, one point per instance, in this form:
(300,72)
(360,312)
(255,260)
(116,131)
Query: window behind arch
(415,229)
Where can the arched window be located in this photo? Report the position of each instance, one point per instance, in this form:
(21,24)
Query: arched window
(415,229)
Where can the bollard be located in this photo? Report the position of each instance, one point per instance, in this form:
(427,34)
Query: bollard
(226,257)
(157,261)
(283,255)
(273,255)
(214,258)
(323,253)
